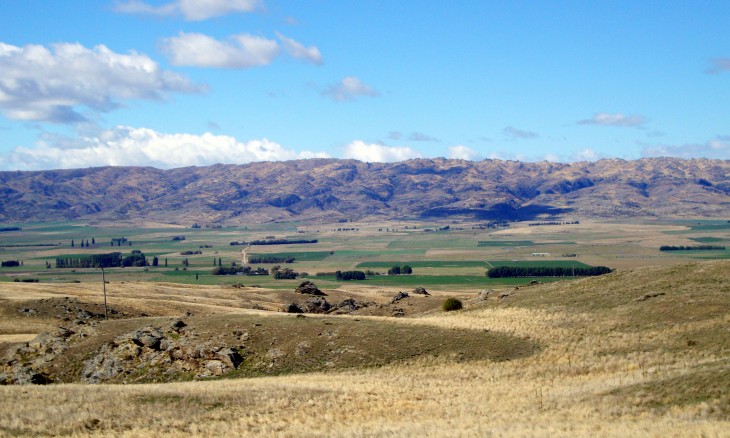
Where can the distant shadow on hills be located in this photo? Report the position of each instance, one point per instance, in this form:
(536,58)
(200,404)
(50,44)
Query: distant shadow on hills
(498,212)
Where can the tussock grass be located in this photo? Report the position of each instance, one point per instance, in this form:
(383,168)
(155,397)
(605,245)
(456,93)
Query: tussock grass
(609,366)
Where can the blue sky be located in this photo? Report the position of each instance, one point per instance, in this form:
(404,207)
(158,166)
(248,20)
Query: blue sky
(197,82)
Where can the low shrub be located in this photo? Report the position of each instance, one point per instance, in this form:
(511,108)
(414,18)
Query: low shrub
(450,304)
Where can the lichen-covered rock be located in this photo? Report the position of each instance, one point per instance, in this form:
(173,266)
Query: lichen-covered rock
(149,354)
(317,305)
(309,288)
(420,291)
(399,296)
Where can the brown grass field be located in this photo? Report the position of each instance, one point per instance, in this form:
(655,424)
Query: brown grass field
(609,361)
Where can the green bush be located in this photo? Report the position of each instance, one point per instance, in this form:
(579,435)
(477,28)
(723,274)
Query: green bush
(451,304)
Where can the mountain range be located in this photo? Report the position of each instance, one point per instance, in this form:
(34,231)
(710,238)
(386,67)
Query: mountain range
(334,189)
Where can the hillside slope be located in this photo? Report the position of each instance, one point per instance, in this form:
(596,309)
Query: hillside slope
(641,352)
(348,189)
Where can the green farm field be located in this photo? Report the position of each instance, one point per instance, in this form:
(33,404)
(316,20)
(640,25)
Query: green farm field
(439,259)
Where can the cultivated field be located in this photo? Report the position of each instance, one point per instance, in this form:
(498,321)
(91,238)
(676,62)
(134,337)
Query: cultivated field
(640,352)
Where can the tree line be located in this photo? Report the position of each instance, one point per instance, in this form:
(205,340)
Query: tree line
(400,270)
(691,248)
(349,275)
(236,270)
(110,260)
(545,271)
(535,224)
(275,242)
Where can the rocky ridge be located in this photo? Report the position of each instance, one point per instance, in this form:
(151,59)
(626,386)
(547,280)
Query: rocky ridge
(347,189)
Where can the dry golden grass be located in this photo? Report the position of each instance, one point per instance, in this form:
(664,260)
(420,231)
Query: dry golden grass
(610,366)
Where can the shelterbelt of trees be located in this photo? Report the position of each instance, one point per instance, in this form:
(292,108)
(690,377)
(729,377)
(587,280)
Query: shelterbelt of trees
(691,248)
(275,242)
(545,271)
(110,260)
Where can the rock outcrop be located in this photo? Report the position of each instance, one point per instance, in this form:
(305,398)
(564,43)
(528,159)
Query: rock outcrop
(130,357)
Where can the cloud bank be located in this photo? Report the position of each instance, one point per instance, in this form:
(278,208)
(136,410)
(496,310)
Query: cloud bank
(376,153)
(190,10)
(54,83)
(717,148)
(127,146)
(463,153)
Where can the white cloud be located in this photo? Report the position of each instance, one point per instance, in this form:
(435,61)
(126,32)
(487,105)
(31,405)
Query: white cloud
(464,153)
(191,10)
(240,51)
(519,133)
(237,52)
(587,154)
(50,84)
(349,88)
(621,120)
(718,65)
(127,146)
(376,153)
(297,50)
(717,148)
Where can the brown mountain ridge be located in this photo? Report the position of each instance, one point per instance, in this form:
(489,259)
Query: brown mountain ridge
(333,189)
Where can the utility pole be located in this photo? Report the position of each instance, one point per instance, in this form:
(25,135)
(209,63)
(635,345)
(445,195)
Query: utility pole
(103,282)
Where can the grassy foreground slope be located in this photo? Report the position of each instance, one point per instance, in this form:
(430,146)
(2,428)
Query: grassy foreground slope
(634,353)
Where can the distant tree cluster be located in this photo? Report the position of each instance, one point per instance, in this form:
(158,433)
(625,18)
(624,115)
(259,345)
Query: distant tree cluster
(535,224)
(110,260)
(2,229)
(136,258)
(545,271)
(10,264)
(400,270)
(349,275)
(285,274)
(492,224)
(691,248)
(444,228)
(190,252)
(178,238)
(119,240)
(275,242)
(238,270)
(84,244)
